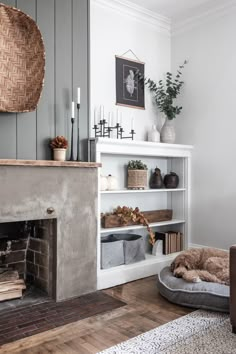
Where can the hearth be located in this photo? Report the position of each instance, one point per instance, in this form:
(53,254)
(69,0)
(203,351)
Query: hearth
(27,255)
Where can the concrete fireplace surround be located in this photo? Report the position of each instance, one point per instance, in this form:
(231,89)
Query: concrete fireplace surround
(67,192)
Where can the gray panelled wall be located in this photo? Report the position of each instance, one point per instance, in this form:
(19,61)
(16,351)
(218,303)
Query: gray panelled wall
(64,27)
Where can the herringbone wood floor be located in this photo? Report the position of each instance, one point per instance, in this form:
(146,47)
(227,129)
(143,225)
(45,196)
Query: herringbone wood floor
(145,310)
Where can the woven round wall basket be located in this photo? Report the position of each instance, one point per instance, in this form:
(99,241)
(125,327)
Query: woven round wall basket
(137,179)
(22,61)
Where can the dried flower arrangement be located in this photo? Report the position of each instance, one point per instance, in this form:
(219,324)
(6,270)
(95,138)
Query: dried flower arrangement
(59,142)
(127,214)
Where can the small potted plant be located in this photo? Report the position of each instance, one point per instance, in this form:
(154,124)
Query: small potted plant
(137,175)
(59,145)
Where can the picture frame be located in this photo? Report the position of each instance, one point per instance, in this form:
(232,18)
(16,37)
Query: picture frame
(129,83)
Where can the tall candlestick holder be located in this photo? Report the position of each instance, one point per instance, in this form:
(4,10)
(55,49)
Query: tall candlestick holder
(78,134)
(117,128)
(72,140)
(103,130)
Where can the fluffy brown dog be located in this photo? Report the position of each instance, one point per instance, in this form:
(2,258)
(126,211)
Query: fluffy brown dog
(197,264)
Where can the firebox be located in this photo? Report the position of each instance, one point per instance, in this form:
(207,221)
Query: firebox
(27,248)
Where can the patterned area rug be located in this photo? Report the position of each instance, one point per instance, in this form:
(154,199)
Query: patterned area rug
(201,332)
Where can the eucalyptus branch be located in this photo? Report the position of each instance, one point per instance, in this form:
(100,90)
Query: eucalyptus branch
(165,92)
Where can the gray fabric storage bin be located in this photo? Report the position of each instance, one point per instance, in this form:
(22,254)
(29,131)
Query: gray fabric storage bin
(117,249)
(112,252)
(133,247)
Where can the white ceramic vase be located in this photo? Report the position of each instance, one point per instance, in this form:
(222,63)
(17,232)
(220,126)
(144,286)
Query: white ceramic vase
(59,154)
(168,132)
(154,135)
(112,183)
(103,183)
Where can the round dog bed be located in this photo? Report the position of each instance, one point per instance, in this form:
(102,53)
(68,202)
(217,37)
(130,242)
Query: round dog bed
(204,295)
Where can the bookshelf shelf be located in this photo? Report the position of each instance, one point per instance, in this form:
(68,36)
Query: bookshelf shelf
(124,273)
(128,191)
(114,155)
(139,227)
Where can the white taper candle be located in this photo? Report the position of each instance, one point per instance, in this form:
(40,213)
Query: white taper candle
(73,110)
(101,112)
(95,117)
(132,123)
(78,95)
(109,119)
(117,116)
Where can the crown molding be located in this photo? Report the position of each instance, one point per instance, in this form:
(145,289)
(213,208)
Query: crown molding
(158,22)
(187,23)
(205,13)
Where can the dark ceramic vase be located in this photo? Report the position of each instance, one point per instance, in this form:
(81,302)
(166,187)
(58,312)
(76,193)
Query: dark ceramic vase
(156,179)
(171,180)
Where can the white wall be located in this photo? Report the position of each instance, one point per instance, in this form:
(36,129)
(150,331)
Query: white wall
(112,33)
(208,121)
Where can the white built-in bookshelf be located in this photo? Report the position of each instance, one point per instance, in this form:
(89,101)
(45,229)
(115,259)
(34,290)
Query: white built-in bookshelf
(114,154)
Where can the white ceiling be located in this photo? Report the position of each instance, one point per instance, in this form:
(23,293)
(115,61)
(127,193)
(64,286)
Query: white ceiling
(174,8)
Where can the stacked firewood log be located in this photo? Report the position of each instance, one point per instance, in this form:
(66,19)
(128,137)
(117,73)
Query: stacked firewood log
(11,286)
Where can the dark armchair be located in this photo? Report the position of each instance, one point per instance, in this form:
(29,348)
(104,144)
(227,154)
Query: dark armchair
(233,287)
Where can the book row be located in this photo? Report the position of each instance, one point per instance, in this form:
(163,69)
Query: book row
(172,241)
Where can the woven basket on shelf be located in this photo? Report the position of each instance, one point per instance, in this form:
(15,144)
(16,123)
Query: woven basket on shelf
(137,179)
(22,61)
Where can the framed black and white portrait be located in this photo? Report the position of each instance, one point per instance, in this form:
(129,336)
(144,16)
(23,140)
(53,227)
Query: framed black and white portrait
(129,83)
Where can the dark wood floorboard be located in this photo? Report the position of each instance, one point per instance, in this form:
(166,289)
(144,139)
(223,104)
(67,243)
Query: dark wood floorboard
(145,310)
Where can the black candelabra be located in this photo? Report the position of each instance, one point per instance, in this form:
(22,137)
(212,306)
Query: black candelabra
(72,137)
(72,140)
(102,129)
(78,137)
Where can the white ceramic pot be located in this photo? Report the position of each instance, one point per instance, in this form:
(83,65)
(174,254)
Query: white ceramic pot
(154,135)
(168,132)
(112,183)
(103,183)
(59,154)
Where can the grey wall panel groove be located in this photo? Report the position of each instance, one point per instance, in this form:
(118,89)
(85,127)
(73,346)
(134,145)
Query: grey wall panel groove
(46,107)
(80,67)
(8,135)
(64,27)
(63,66)
(26,122)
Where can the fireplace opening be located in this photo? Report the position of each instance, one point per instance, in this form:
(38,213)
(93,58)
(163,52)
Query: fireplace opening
(27,261)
